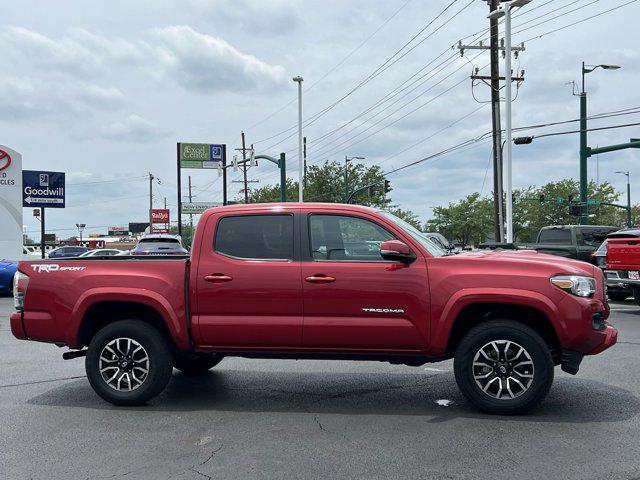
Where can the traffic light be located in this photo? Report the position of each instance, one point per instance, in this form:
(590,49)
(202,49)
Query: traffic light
(575,210)
(541,198)
(387,186)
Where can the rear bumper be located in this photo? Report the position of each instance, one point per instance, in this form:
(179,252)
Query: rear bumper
(17,326)
(619,278)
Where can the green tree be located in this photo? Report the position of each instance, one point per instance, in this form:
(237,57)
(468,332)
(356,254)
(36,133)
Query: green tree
(467,222)
(325,183)
(408,216)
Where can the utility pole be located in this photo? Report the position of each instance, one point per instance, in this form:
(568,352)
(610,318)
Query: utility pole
(244,170)
(629,220)
(151,177)
(493,81)
(304,152)
(495,125)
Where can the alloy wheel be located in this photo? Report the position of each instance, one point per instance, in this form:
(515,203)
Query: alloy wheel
(503,369)
(124,364)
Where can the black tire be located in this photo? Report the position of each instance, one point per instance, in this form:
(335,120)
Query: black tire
(194,364)
(617,296)
(535,347)
(159,364)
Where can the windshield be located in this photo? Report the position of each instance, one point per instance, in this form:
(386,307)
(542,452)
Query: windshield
(158,244)
(416,234)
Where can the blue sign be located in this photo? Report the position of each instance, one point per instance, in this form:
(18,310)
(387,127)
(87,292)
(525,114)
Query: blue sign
(215,153)
(42,189)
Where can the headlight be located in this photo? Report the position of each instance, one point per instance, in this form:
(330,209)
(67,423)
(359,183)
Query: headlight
(579,286)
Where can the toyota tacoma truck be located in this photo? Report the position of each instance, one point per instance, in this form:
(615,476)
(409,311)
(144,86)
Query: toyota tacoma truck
(318,281)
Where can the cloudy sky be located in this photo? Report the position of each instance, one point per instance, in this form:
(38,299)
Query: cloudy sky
(103,90)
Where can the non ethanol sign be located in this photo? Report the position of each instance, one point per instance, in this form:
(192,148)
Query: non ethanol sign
(200,155)
(42,189)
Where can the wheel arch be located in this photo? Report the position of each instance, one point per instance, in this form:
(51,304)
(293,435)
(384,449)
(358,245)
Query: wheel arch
(97,309)
(470,308)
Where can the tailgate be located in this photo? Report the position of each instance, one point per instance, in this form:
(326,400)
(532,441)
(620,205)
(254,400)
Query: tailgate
(623,254)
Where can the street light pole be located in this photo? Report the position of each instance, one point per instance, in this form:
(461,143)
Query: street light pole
(299,81)
(584,147)
(629,220)
(346,175)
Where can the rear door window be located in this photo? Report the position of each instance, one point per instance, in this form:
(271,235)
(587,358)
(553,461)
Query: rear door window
(255,237)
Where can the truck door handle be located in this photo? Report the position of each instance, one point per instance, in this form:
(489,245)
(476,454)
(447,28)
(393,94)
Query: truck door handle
(218,278)
(320,278)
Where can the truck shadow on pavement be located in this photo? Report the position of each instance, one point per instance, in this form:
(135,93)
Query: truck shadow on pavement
(571,400)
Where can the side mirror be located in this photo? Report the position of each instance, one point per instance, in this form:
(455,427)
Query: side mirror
(396,250)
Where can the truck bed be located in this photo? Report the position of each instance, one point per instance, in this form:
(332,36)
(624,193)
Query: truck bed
(55,314)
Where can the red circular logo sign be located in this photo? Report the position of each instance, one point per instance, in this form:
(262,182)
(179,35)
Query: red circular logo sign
(5,160)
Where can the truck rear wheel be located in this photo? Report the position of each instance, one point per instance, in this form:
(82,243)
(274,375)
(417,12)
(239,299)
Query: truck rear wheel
(503,367)
(128,362)
(196,363)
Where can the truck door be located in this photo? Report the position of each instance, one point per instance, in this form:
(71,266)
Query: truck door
(354,300)
(249,289)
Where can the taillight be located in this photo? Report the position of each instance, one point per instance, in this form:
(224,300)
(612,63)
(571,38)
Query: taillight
(20,283)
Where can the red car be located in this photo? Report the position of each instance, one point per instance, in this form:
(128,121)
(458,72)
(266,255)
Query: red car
(318,281)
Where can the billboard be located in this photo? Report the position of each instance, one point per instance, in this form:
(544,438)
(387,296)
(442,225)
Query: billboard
(138,227)
(118,231)
(10,204)
(200,155)
(42,189)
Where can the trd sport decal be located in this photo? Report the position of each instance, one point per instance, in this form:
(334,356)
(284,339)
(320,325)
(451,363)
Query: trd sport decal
(54,267)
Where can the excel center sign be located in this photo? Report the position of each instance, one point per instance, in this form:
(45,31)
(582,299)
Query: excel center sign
(200,155)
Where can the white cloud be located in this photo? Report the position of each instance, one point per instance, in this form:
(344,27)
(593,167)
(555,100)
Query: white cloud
(205,63)
(134,128)
(41,98)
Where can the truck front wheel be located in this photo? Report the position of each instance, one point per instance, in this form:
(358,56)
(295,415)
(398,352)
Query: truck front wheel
(128,362)
(503,367)
(196,363)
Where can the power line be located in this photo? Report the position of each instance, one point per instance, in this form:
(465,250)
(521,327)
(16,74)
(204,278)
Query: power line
(392,60)
(336,66)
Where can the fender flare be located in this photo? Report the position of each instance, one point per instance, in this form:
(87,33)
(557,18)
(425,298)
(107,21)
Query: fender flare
(148,298)
(507,296)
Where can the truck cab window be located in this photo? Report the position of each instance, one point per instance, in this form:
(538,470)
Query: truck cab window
(557,236)
(255,237)
(348,239)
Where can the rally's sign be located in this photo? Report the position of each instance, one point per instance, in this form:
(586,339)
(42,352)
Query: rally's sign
(160,215)
(196,208)
(10,204)
(200,155)
(43,189)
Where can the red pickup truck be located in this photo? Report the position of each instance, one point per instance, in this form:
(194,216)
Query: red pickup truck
(318,281)
(623,264)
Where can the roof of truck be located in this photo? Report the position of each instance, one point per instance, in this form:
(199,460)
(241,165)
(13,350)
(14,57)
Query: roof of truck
(291,205)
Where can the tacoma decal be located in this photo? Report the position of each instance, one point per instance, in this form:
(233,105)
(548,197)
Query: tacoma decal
(383,310)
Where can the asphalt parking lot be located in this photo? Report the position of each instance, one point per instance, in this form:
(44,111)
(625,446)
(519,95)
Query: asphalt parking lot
(314,419)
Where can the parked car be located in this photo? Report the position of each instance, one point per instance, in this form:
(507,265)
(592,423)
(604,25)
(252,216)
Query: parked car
(441,241)
(623,265)
(159,244)
(67,252)
(101,252)
(617,289)
(570,241)
(276,281)
(8,269)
